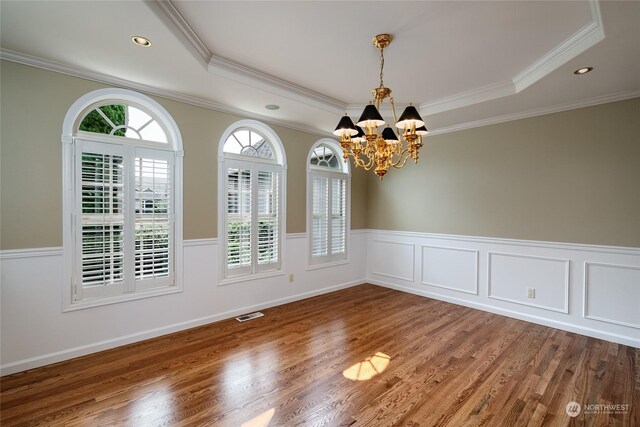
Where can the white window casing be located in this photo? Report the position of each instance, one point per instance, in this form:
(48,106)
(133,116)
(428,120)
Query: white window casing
(122,202)
(328,205)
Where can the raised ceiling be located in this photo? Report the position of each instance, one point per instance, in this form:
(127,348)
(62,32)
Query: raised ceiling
(463,64)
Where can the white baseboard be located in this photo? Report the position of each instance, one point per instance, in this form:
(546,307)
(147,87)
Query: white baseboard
(46,359)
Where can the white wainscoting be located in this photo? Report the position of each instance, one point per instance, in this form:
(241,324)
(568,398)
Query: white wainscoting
(450,268)
(508,275)
(612,293)
(391,259)
(35,331)
(589,289)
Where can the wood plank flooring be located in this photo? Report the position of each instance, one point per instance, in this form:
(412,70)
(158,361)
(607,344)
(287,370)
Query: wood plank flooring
(445,365)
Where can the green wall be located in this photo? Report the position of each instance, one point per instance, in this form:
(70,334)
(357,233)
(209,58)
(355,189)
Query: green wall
(572,177)
(33,104)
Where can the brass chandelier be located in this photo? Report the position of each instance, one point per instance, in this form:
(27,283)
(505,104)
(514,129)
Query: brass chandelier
(384,150)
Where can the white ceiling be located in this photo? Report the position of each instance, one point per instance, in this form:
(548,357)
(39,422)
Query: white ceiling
(462,63)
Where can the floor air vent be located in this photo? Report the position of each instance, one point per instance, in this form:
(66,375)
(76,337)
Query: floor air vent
(249,316)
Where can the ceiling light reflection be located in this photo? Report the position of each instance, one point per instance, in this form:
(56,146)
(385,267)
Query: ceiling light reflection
(368,368)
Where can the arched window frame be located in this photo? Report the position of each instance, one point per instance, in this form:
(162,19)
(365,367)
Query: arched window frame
(71,137)
(342,172)
(279,164)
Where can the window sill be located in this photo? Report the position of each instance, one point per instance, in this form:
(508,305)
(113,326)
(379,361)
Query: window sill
(248,277)
(90,303)
(327,264)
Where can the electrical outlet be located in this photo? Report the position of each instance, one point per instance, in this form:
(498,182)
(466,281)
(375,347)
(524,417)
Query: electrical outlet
(291,278)
(531,293)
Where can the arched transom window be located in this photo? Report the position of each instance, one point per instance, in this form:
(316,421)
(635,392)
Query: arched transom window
(123,120)
(324,156)
(247,142)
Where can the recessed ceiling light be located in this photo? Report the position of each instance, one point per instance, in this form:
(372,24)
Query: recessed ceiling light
(272,107)
(583,70)
(141,41)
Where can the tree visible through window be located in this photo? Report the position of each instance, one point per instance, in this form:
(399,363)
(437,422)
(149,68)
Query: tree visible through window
(123,120)
(105,119)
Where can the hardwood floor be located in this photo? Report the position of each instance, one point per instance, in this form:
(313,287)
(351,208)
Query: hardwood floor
(445,365)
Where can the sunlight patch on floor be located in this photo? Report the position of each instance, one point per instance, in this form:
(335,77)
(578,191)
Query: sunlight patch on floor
(261,420)
(368,368)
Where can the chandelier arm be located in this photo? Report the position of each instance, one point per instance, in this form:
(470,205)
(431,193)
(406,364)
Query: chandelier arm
(366,165)
(357,161)
(401,150)
(370,156)
(368,152)
(399,165)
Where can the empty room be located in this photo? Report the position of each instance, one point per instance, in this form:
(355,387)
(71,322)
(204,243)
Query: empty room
(319,213)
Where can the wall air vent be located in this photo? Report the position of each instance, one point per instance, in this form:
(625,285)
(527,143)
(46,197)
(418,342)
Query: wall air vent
(249,316)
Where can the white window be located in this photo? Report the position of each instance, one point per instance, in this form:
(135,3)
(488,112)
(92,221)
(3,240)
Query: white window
(251,191)
(122,164)
(328,221)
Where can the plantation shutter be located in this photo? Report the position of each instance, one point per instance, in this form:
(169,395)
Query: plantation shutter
(153,201)
(124,219)
(338,216)
(320,216)
(328,215)
(253,217)
(239,215)
(100,218)
(268,219)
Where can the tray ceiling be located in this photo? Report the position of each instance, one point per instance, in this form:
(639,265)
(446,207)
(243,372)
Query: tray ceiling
(463,63)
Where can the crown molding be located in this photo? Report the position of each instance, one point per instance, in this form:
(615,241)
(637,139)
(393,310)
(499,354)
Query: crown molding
(49,65)
(234,71)
(231,70)
(168,10)
(579,42)
(69,70)
(619,96)
(467,98)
